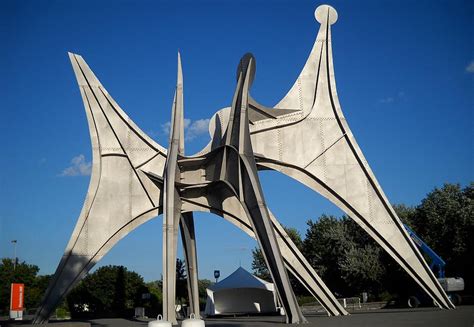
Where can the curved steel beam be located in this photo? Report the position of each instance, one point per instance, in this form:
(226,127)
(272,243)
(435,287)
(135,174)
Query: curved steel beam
(120,197)
(230,209)
(314,145)
(305,136)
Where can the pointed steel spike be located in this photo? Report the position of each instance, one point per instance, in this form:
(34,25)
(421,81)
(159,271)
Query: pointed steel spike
(180,104)
(332,163)
(177,114)
(301,96)
(108,213)
(317,148)
(172,201)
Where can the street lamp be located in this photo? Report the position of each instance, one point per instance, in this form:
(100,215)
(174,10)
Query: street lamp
(14,242)
(217,274)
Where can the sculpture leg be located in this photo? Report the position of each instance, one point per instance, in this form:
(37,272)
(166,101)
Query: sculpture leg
(297,264)
(170,233)
(223,203)
(239,170)
(172,202)
(71,270)
(190,255)
(263,229)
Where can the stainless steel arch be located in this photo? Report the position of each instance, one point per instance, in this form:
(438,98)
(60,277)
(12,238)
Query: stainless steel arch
(304,136)
(129,173)
(308,138)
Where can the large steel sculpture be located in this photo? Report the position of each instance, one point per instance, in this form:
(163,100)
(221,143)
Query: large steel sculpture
(305,136)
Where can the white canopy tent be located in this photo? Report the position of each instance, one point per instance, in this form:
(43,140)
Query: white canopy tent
(240,293)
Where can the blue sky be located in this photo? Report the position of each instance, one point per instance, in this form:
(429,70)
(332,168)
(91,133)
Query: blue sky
(404,72)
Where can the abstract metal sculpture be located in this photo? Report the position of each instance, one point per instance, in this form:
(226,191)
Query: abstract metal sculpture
(305,136)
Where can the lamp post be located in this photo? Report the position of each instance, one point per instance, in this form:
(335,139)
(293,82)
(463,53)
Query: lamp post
(217,274)
(14,242)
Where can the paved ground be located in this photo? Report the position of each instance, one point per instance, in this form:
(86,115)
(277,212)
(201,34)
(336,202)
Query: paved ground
(463,316)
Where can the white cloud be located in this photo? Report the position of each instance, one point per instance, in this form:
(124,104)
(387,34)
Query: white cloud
(395,98)
(470,67)
(79,167)
(386,100)
(165,128)
(192,129)
(197,128)
(187,122)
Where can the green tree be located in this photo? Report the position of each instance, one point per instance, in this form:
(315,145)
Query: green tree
(156,288)
(405,213)
(38,289)
(260,269)
(324,245)
(153,305)
(259,266)
(361,269)
(346,258)
(295,236)
(23,273)
(181,281)
(445,221)
(110,289)
(349,261)
(396,282)
(202,285)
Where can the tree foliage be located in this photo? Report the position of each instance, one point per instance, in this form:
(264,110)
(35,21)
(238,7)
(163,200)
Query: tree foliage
(445,221)
(344,255)
(181,281)
(260,269)
(22,273)
(346,258)
(202,285)
(110,289)
(259,266)
(350,262)
(115,291)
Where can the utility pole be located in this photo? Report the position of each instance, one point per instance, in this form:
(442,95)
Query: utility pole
(14,253)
